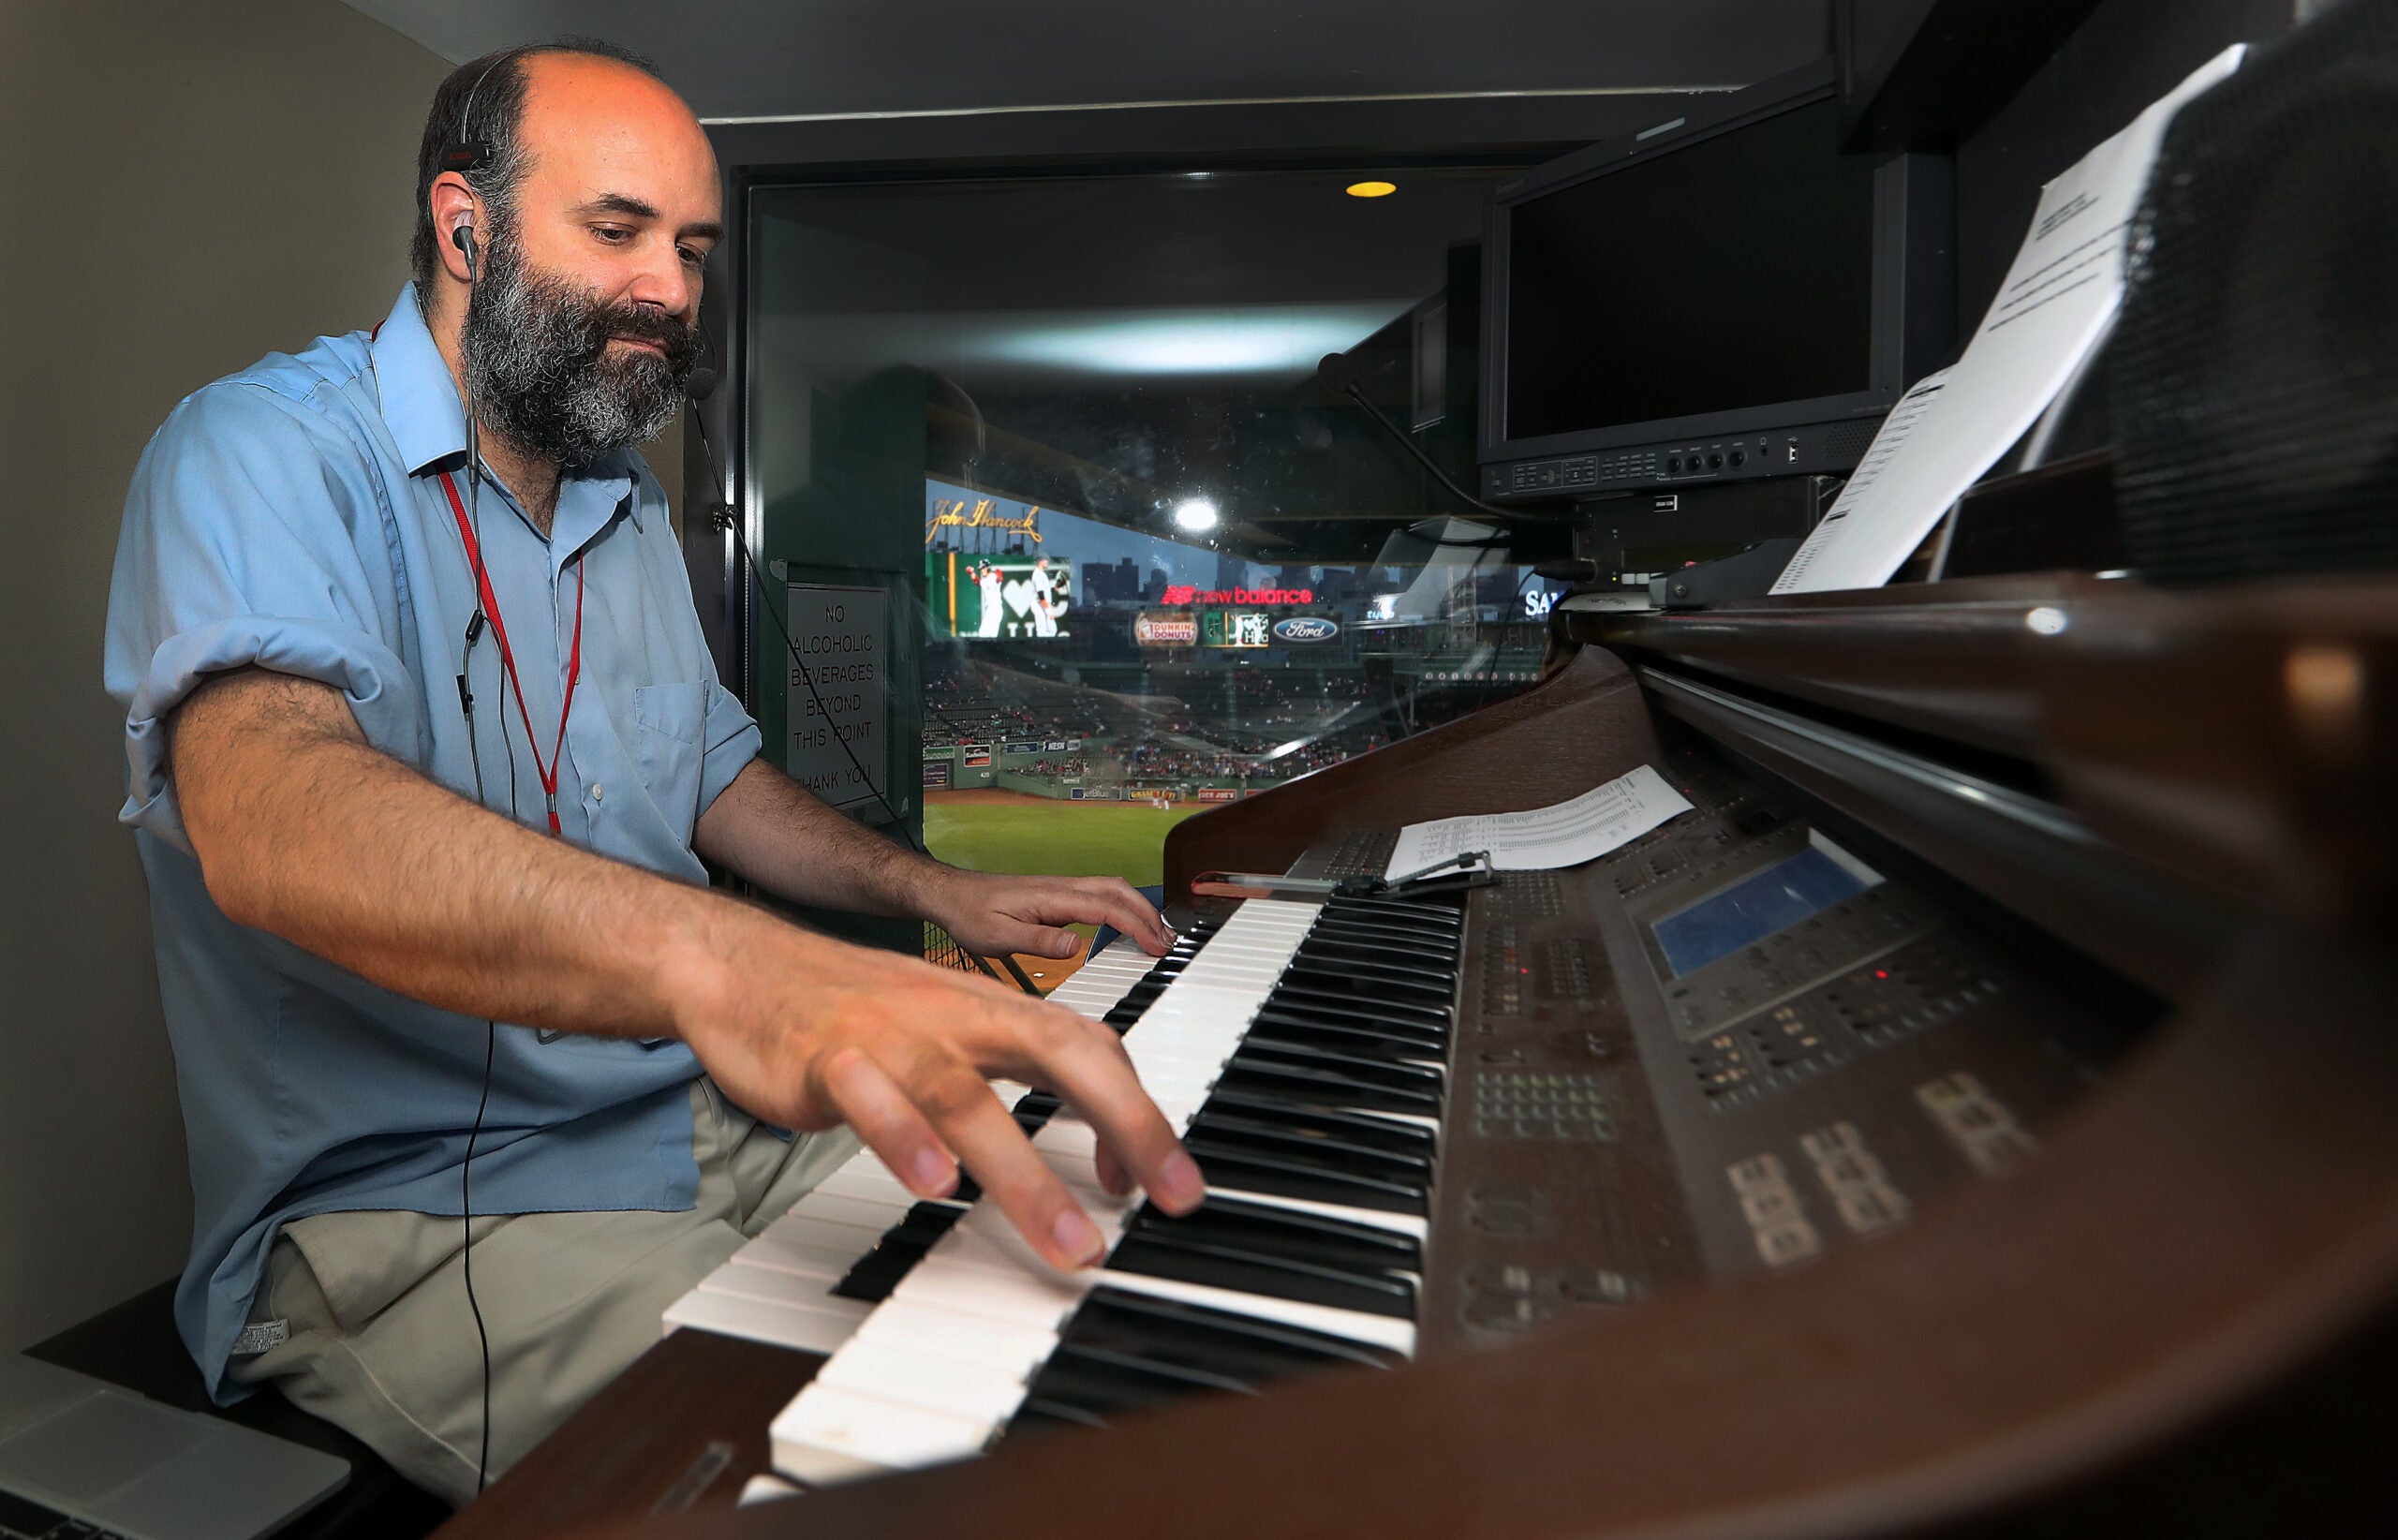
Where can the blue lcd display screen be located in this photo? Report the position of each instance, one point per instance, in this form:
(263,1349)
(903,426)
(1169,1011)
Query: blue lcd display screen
(1754,908)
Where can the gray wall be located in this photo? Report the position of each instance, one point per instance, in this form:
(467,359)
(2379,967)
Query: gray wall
(189,185)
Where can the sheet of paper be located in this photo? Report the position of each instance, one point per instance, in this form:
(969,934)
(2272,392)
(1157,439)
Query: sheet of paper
(2055,302)
(1568,834)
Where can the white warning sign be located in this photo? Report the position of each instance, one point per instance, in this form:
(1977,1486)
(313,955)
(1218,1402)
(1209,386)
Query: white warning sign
(843,638)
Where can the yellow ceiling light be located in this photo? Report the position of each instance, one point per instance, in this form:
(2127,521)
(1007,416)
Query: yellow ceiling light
(1372,189)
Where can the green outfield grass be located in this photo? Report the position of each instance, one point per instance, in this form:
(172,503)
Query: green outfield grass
(1057,839)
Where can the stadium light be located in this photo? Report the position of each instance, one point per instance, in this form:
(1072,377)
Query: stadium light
(1197,515)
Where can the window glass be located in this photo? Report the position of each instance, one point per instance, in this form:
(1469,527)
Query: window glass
(1135,560)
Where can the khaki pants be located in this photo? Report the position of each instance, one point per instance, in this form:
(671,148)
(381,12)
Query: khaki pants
(382,1342)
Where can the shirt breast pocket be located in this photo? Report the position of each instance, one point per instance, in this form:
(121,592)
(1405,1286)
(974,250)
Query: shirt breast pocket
(670,742)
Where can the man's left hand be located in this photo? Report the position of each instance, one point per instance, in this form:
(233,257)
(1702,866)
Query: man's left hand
(991,914)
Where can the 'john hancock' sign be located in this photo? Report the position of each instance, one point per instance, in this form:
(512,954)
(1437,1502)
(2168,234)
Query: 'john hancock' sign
(843,637)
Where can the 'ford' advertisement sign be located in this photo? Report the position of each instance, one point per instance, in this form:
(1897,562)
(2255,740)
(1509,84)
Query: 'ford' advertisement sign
(1306,628)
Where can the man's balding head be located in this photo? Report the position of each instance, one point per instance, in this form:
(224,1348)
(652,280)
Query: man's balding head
(570,319)
(585,86)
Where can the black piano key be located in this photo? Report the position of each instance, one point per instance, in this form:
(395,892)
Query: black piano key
(1190,1261)
(1423,941)
(1362,1250)
(1323,1088)
(901,1247)
(1433,941)
(1438,919)
(1382,1048)
(1430,1040)
(1361,1068)
(1364,1008)
(1374,958)
(1172,1377)
(1378,1047)
(1040,1415)
(1361,1128)
(1382,987)
(871,1282)
(1311,1148)
(1367,1128)
(1236,1168)
(1243,1346)
(1107,1384)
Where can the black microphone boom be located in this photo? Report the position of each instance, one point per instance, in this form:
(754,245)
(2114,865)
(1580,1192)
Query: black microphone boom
(1339,374)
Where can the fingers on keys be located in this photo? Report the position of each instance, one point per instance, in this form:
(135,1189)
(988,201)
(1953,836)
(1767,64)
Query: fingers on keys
(922,1102)
(1128,911)
(1087,1067)
(873,1104)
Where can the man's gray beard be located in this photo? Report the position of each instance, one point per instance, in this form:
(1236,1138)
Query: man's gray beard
(537,362)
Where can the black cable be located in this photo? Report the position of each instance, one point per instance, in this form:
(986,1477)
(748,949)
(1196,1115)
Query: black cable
(490,1029)
(467,1251)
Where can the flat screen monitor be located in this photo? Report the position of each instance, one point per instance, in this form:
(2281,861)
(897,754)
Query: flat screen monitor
(1721,296)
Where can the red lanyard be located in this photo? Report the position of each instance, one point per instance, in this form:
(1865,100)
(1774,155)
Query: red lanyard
(548,773)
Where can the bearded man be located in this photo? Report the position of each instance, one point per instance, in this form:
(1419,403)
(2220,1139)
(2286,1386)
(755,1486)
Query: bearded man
(424,752)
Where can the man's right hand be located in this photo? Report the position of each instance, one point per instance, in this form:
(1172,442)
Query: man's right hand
(304,830)
(807,1032)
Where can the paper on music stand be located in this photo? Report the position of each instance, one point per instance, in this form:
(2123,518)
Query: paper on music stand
(1566,834)
(2055,304)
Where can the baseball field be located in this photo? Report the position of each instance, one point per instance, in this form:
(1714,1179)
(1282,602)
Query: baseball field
(1016,832)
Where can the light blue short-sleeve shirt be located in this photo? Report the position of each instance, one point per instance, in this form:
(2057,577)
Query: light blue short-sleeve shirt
(293,517)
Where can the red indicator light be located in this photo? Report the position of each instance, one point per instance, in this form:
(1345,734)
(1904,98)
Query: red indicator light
(1880,974)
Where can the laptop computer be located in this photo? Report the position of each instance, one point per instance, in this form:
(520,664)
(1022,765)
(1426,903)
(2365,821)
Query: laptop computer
(81,1458)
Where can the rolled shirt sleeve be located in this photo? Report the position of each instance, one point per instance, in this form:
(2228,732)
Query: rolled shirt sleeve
(254,534)
(733,741)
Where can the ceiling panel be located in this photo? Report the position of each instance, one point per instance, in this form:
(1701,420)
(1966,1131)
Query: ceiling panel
(736,59)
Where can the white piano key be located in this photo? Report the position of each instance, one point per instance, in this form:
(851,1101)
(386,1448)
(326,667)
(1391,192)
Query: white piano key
(765,1489)
(828,1435)
(1034,1299)
(1357,1326)
(1400,1224)
(806,1328)
(1097,986)
(802,1228)
(752,1280)
(939,1363)
(967,1339)
(1181,1110)
(987,1236)
(876,1186)
(892,1372)
(1067,1135)
(876,1213)
(769,1250)
(1160,1061)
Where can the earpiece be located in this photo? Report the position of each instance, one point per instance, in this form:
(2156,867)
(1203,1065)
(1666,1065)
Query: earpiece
(462,237)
